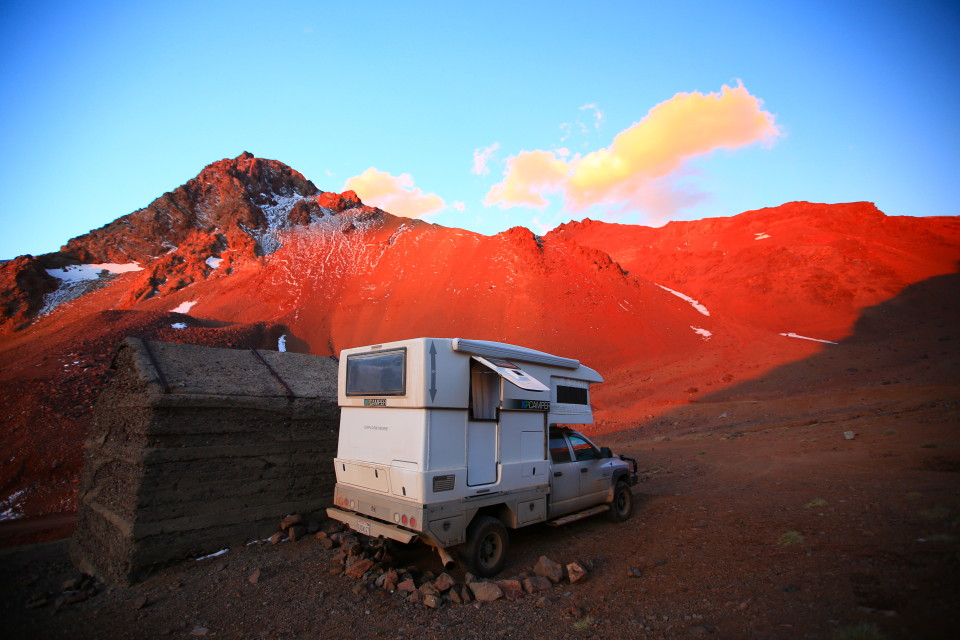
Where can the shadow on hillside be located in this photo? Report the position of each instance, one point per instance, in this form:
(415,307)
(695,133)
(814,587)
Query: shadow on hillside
(912,339)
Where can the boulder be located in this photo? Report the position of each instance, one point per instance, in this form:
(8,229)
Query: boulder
(512,589)
(535,584)
(443,582)
(576,571)
(358,568)
(549,569)
(485,591)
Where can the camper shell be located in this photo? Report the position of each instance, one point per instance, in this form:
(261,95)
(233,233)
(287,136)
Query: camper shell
(436,432)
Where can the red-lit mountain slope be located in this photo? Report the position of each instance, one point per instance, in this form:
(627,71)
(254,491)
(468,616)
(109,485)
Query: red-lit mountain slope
(250,251)
(800,267)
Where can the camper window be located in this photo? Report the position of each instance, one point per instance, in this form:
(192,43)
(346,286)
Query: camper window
(572,395)
(484,393)
(377,374)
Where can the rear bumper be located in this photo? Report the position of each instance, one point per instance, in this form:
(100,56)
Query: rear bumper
(371,527)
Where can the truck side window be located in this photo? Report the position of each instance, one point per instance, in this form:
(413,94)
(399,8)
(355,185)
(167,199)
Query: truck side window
(559,452)
(583,449)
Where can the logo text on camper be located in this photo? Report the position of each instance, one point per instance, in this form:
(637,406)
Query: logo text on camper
(529,405)
(374,402)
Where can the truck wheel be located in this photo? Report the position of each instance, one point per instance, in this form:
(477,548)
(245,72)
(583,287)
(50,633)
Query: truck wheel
(486,548)
(622,506)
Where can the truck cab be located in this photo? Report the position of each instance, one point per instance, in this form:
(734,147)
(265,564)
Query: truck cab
(454,441)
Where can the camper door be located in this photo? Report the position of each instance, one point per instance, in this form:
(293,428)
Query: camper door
(486,399)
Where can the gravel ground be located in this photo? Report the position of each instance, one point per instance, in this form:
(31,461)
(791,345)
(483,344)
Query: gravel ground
(774,526)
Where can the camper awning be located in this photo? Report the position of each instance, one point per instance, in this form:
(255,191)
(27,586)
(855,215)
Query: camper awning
(512,373)
(500,350)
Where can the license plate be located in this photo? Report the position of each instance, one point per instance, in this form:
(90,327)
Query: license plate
(362,527)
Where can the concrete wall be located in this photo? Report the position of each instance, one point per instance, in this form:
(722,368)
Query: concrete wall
(171,471)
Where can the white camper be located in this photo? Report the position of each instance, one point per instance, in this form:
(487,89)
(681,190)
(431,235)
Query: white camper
(454,441)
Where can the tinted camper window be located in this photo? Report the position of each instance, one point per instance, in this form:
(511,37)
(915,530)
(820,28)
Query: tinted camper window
(572,395)
(377,374)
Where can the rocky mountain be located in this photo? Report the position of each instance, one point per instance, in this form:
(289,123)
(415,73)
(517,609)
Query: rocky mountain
(251,253)
(810,266)
(233,209)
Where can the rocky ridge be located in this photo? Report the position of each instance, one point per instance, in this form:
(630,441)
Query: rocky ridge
(226,218)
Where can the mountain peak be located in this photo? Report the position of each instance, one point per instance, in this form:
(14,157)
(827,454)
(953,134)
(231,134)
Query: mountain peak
(244,195)
(233,212)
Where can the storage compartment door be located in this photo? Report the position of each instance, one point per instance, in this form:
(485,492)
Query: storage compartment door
(481,453)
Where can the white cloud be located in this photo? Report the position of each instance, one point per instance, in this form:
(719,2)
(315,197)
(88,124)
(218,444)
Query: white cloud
(394,194)
(597,114)
(644,168)
(481,157)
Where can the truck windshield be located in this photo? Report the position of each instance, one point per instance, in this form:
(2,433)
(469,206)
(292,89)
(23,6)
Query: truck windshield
(377,374)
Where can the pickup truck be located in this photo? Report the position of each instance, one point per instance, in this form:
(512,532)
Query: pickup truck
(455,441)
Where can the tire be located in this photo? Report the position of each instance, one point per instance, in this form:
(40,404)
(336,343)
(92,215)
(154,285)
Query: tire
(622,506)
(486,547)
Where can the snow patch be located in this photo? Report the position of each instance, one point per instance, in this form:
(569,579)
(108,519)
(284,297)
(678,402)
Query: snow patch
(83,272)
(693,303)
(9,509)
(760,236)
(184,307)
(179,325)
(78,279)
(277,216)
(702,332)
(282,344)
(794,335)
(213,262)
(215,554)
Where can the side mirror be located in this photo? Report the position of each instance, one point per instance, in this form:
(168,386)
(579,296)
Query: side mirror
(605,452)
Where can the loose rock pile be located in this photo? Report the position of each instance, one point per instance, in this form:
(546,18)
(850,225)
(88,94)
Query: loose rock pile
(370,563)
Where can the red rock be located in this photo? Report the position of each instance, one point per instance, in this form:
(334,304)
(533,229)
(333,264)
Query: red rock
(289,521)
(443,582)
(535,584)
(512,589)
(576,571)
(433,601)
(296,532)
(548,569)
(485,591)
(390,580)
(358,568)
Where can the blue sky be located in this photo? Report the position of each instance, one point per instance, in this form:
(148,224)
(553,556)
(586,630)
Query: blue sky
(105,106)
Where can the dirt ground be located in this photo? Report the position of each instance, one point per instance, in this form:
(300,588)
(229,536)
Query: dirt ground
(754,519)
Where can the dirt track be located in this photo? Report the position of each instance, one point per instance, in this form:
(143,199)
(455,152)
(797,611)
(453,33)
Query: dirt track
(769,525)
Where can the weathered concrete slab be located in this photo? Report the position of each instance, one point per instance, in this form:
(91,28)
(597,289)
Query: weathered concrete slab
(194,449)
